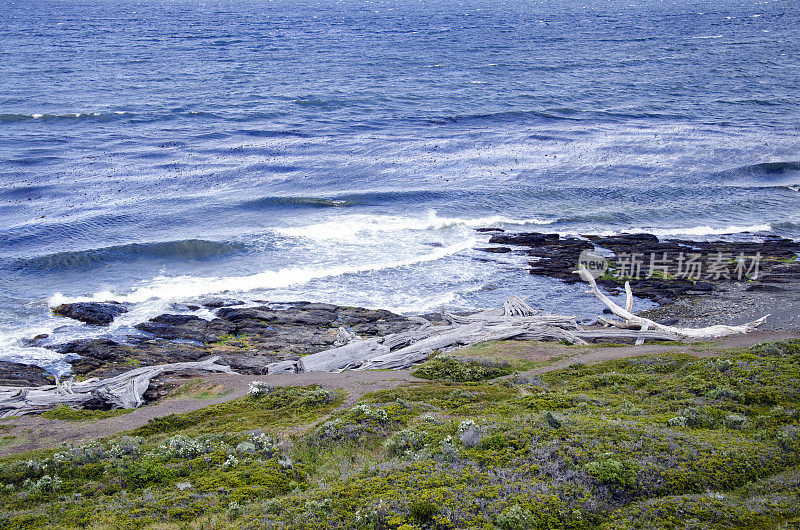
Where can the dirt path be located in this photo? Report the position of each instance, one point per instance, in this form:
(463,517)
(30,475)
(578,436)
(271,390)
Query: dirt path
(34,432)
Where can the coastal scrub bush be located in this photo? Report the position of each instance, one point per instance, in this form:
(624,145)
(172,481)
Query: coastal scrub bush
(612,470)
(145,472)
(451,369)
(405,442)
(516,517)
(422,510)
(362,420)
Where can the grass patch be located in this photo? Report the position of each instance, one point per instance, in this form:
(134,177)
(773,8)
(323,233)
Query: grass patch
(199,388)
(65,413)
(280,406)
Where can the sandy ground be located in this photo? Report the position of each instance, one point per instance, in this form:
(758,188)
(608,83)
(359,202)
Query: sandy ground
(34,432)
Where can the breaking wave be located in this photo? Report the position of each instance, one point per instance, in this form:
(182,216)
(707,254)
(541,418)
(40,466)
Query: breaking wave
(357,225)
(189,287)
(184,250)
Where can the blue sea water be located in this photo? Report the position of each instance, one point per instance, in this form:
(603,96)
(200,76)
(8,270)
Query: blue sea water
(157,152)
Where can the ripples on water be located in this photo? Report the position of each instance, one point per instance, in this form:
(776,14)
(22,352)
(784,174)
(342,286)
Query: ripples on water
(157,152)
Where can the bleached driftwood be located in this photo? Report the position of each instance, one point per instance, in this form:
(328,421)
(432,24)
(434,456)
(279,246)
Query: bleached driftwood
(339,358)
(515,320)
(344,337)
(516,307)
(707,333)
(122,391)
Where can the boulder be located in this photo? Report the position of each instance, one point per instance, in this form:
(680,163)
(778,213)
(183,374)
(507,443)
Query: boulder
(187,327)
(94,313)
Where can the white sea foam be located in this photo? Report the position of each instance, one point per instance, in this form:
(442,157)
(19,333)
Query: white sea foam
(708,230)
(173,288)
(697,231)
(12,349)
(352,226)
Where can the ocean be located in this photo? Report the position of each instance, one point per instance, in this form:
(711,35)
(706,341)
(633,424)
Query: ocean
(159,152)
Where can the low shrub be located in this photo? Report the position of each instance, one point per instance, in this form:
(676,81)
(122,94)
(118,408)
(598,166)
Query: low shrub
(451,369)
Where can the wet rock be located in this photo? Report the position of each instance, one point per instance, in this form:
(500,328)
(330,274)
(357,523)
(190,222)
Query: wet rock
(38,341)
(249,339)
(23,375)
(496,250)
(524,239)
(96,354)
(215,303)
(95,313)
(187,327)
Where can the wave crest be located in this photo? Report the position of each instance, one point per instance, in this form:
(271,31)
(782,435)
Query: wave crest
(190,287)
(183,250)
(351,227)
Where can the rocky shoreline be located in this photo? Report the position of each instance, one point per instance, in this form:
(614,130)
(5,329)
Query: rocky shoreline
(718,292)
(248,338)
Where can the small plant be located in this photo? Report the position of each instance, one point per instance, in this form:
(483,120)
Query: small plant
(422,510)
(231,462)
(612,470)
(259,388)
(405,441)
(516,518)
(235,510)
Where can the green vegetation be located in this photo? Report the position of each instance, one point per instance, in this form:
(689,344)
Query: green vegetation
(461,370)
(238,341)
(199,388)
(273,407)
(659,441)
(63,412)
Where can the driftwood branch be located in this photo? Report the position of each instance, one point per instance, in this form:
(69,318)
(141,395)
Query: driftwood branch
(123,391)
(707,333)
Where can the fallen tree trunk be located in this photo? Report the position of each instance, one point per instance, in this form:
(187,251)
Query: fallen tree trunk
(707,333)
(123,391)
(339,358)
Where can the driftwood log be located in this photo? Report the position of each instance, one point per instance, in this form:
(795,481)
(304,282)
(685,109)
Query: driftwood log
(123,391)
(515,320)
(631,321)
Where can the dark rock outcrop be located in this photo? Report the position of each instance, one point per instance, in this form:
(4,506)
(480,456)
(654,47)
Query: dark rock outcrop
(215,303)
(185,327)
(95,313)
(556,257)
(246,338)
(96,354)
(16,374)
